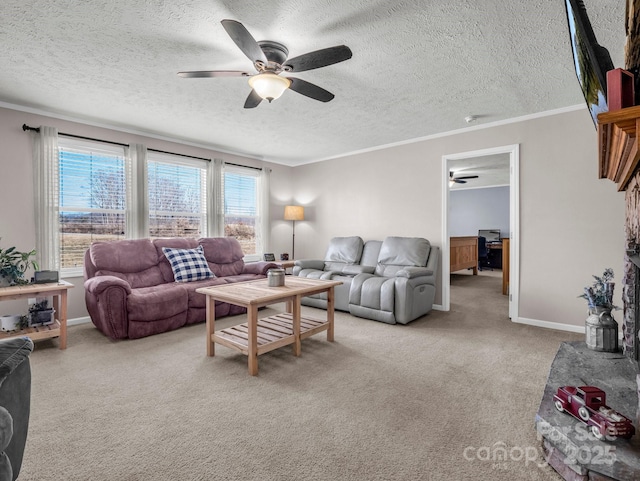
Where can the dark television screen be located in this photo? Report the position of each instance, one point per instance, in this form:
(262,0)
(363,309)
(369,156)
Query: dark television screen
(591,61)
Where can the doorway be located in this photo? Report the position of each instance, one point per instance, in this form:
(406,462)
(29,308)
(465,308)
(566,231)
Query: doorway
(477,158)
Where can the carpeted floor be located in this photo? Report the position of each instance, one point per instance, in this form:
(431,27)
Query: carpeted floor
(451,396)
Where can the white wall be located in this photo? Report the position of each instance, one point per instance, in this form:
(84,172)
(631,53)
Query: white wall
(571,223)
(473,209)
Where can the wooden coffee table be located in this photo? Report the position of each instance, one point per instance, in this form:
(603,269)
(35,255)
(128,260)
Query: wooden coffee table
(257,337)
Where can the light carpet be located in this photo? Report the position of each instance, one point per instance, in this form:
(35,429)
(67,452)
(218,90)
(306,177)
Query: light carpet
(451,396)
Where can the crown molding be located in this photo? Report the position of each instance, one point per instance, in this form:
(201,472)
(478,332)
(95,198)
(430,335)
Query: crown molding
(35,111)
(514,120)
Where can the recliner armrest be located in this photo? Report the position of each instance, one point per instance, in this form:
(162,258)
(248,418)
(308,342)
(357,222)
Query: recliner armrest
(259,267)
(15,402)
(310,264)
(97,285)
(411,272)
(106,298)
(12,352)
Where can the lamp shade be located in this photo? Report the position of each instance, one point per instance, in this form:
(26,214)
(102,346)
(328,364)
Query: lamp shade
(294,212)
(269,86)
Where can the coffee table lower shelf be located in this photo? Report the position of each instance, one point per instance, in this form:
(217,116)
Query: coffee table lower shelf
(273,332)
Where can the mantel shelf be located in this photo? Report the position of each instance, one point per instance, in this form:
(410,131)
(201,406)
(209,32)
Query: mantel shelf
(618,145)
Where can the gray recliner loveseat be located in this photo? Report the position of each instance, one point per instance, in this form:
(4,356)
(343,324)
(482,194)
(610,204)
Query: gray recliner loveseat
(391,281)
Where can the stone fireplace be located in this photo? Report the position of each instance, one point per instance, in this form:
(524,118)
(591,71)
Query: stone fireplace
(631,276)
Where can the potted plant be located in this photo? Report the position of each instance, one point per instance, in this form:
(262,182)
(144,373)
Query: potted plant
(601,328)
(13,265)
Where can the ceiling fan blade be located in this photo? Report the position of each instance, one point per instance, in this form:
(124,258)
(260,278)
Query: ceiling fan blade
(467,177)
(244,40)
(458,181)
(214,73)
(253,100)
(319,58)
(310,90)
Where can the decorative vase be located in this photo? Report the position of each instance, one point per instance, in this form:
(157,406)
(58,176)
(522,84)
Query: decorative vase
(275,277)
(601,330)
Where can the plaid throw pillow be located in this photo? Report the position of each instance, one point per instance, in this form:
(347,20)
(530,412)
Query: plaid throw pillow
(188,264)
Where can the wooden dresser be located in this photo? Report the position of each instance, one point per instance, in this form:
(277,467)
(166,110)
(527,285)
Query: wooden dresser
(463,253)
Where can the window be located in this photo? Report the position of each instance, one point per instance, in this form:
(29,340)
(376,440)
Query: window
(241,213)
(177,196)
(96,191)
(92,197)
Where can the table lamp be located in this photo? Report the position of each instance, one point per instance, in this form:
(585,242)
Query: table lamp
(293,213)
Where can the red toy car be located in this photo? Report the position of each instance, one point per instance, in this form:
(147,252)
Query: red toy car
(588,404)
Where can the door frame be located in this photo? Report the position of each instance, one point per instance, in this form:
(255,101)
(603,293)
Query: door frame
(514,220)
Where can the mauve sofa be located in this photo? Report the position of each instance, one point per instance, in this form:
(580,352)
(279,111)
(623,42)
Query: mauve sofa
(130,289)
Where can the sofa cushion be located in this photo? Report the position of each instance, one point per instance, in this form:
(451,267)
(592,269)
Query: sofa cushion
(174,243)
(197,300)
(188,264)
(370,253)
(344,250)
(398,252)
(224,255)
(146,278)
(158,302)
(125,256)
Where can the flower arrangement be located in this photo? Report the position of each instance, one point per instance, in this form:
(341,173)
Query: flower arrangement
(600,294)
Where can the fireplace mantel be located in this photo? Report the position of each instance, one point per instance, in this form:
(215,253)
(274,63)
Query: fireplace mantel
(618,145)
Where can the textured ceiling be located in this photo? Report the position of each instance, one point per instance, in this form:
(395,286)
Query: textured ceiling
(418,67)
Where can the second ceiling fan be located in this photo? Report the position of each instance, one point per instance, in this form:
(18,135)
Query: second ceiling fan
(270,60)
(461,179)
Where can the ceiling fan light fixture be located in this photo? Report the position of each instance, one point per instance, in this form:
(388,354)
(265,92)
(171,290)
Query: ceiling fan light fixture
(269,86)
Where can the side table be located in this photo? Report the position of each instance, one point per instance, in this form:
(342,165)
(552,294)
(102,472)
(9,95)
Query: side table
(286,265)
(59,327)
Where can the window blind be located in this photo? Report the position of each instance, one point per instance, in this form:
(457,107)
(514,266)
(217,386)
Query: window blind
(92,197)
(241,206)
(177,196)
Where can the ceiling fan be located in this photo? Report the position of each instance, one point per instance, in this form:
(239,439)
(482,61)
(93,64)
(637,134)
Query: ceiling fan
(460,180)
(270,60)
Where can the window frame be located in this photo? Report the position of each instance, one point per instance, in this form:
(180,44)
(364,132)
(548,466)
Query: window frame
(205,191)
(88,148)
(257,217)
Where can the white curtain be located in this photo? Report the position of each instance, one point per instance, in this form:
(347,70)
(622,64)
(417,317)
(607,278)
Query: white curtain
(263,231)
(137,192)
(46,195)
(215,209)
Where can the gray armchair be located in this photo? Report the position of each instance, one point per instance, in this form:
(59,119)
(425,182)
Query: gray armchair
(403,285)
(15,404)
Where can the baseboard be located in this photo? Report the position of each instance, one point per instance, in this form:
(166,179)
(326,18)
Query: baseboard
(550,325)
(437,307)
(78,320)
